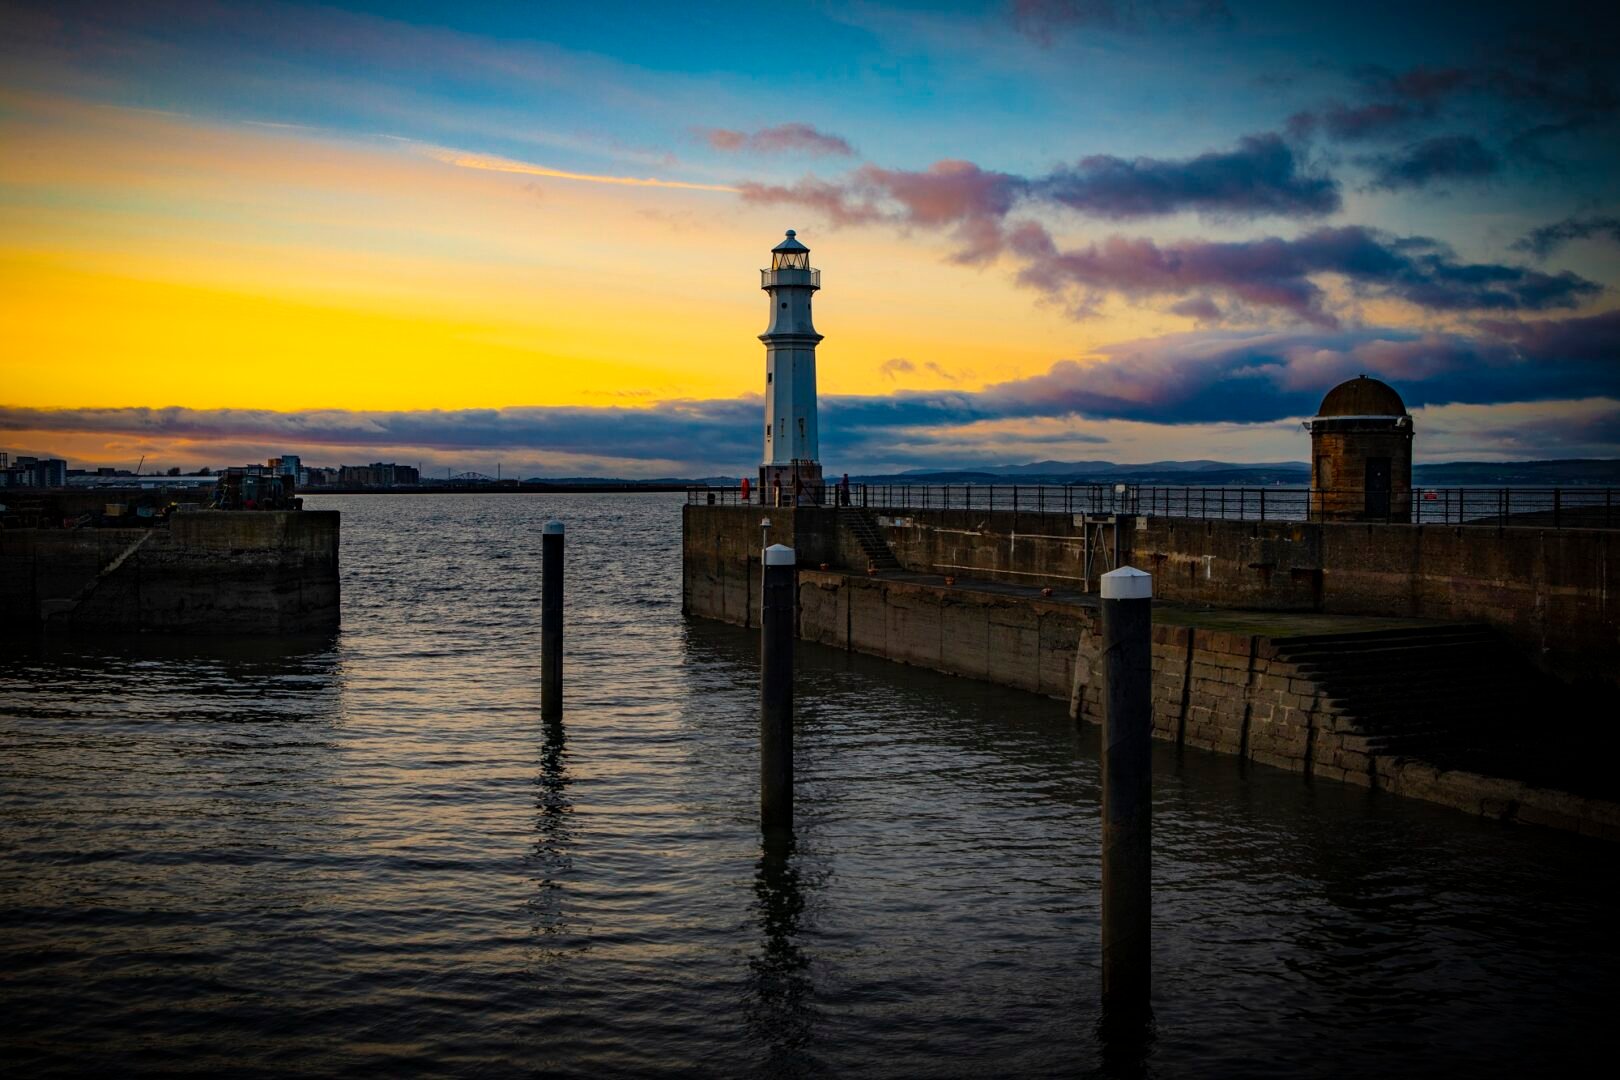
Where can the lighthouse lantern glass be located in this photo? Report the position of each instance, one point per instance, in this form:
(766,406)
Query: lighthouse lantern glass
(790,260)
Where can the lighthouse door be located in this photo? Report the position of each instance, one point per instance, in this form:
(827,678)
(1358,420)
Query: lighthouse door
(1377,488)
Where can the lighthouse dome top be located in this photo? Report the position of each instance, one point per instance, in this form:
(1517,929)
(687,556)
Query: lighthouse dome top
(791,244)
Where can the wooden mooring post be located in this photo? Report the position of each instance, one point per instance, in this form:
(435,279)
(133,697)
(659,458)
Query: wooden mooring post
(551,620)
(1127,789)
(776,688)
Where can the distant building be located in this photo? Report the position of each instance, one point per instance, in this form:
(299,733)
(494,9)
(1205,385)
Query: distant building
(289,465)
(34,472)
(379,474)
(1361,454)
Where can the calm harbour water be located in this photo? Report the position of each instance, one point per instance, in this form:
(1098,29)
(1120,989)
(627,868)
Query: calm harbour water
(367,856)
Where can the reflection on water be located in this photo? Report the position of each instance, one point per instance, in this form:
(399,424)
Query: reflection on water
(779,1004)
(369,855)
(552,857)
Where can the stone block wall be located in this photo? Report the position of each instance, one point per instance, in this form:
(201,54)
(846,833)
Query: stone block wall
(1234,694)
(1551,590)
(205,573)
(1016,641)
(998,545)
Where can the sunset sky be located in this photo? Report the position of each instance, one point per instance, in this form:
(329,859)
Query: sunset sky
(472,233)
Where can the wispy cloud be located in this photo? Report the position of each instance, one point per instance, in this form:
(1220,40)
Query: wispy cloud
(1445,158)
(1280,275)
(781,139)
(1543,241)
(1262,175)
(491,163)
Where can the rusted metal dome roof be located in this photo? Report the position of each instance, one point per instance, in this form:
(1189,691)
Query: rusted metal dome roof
(1362,397)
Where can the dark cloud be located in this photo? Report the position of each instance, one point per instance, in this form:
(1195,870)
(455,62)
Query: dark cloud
(1591,338)
(1547,239)
(1206,377)
(1390,101)
(1262,175)
(781,139)
(1201,308)
(1437,160)
(1192,378)
(1350,123)
(1278,274)
(1421,86)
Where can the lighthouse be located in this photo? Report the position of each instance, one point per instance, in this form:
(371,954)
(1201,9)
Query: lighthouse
(792,464)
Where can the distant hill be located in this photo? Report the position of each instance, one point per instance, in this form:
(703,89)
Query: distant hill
(1570,471)
(1108,472)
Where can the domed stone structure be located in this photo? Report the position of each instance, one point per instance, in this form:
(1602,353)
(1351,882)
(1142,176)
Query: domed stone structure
(1361,454)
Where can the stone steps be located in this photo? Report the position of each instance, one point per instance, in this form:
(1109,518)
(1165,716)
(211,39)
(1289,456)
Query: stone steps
(861,526)
(1419,689)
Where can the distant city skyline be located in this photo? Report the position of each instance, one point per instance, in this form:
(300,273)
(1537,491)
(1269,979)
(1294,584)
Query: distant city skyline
(476,233)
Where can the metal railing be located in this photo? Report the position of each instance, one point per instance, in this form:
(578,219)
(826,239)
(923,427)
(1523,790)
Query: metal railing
(1540,507)
(768,278)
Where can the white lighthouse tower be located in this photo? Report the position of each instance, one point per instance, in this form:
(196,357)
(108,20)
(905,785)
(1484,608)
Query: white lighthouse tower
(792,450)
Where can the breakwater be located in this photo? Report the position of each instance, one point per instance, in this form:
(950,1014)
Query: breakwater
(1554,591)
(204,572)
(1431,708)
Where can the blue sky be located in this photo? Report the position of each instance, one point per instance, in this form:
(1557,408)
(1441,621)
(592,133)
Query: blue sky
(1053,229)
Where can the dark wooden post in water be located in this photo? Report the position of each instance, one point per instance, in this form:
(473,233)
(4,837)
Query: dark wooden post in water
(776,688)
(551,620)
(1127,789)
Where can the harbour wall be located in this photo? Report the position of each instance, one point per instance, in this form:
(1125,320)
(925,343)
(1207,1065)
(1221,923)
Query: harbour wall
(1554,591)
(1226,691)
(208,572)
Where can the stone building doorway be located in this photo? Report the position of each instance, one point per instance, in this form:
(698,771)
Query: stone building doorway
(1377,487)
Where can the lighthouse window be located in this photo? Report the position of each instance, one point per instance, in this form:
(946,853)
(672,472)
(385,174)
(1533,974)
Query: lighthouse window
(767,431)
(769,376)
(784,305)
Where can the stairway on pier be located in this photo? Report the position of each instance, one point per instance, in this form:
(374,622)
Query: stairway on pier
(864,528)
(1461,697)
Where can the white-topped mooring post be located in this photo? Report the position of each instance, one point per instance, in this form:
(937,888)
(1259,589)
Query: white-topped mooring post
(551,620)
(1127,790)
(776,688)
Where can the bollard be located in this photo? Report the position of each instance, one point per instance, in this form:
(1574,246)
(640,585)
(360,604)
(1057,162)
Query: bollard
(776,688)
(551,620)
(1127,789)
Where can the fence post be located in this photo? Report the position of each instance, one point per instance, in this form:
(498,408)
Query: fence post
(1557,509)
(1262,504)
